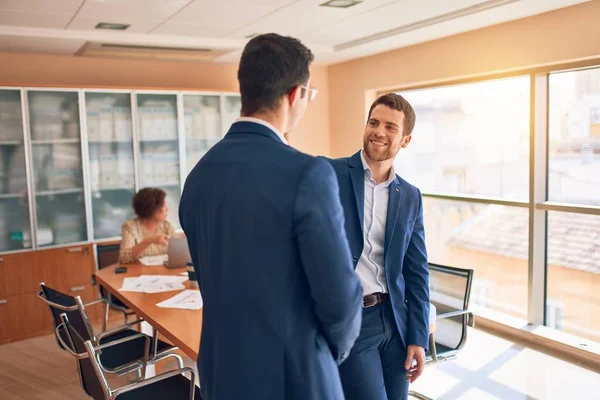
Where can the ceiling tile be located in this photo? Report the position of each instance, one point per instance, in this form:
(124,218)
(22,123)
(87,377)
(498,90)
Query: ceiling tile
(172,28)
(58,6)
(84,23)
(34,19)
(222,14)
(14,44)
(308,16)
(139,10)
(389,17)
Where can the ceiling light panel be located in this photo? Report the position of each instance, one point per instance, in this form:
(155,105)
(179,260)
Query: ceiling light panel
(341,3)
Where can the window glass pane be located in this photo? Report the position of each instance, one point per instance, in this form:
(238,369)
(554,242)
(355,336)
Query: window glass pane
(202,117)
(159,148)
(15,232)
(233,108)
(470,139)
(490,239)
(111,166)
(57,167)
(574,144)
(573,303)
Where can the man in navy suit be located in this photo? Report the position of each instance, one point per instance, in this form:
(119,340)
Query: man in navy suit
(384,224)
(265,228)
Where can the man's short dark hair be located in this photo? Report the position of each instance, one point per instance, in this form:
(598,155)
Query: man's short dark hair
(397,102)
(271,66)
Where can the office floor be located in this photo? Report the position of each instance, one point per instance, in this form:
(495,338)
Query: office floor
(488,368)
(491,368)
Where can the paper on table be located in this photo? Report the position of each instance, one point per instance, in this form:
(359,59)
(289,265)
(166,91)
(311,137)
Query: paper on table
(153,283)
(187,300)
(154,260)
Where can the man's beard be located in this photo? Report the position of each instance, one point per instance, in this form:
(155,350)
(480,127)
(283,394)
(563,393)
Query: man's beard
(388,154)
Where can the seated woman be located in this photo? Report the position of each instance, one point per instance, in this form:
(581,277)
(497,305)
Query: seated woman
(149,233)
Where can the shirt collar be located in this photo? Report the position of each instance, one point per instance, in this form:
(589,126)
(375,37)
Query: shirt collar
(367,170)
(264,123)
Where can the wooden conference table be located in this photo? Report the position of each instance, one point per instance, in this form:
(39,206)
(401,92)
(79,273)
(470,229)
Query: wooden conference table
(181,327)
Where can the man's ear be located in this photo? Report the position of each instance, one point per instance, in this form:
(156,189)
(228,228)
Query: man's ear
(406,140)
(294,95)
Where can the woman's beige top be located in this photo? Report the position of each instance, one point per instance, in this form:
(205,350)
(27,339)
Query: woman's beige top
(133,233)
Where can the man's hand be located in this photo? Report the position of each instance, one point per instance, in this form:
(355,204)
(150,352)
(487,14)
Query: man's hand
(418,354)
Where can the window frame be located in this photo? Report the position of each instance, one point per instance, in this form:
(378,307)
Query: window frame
(538,203)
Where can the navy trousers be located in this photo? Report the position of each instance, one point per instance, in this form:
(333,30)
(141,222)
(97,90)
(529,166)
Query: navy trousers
(374,370)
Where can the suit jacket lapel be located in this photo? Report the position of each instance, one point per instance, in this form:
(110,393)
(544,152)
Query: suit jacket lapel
(357,175)
(392,211)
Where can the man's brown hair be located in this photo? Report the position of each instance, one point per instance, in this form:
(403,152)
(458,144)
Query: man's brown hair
(397,102)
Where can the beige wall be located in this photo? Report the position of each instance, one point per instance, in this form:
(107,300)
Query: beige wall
(564,35)
(312,136)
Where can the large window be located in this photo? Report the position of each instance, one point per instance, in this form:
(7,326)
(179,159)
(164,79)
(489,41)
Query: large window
(574,159)
(473,139)
(488,238)
(471,157)
(574,273)
(573,241)
(470,139)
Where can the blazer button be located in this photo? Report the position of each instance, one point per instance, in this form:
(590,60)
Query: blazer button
(355,259)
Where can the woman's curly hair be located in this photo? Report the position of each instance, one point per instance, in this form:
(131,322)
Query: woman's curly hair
(148,201)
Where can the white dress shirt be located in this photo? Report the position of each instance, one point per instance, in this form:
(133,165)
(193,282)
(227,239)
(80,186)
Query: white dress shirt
(264,123)
(371,265)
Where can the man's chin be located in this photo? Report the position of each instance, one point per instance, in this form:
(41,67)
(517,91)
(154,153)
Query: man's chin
(376,156)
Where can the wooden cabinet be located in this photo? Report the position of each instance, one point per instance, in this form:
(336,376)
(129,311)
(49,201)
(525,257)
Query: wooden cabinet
(18,273)
(67,269)
(23,316)
(61,268)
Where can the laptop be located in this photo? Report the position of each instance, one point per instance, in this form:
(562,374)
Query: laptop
(178,253)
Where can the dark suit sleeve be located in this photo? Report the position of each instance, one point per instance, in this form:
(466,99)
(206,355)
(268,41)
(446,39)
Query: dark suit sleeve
(416,277)
(326,259)
(190,234)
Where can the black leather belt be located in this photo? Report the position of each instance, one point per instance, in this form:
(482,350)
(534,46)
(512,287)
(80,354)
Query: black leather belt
(373,299)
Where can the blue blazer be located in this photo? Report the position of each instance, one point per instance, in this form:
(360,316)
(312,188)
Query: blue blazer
(282,303)
(406,266)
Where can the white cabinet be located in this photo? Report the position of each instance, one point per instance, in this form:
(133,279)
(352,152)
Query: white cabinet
(71,159)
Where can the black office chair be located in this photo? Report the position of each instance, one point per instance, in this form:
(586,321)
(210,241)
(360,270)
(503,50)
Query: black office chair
(168,385)
(450,290)
(120,358)
(107,255)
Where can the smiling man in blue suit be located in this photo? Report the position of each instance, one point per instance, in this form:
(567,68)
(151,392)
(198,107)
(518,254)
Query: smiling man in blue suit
(265,228)
(384,224)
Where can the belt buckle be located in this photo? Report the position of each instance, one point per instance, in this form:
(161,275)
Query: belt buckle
(373,300)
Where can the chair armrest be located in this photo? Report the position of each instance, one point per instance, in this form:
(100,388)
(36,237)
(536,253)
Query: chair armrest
(67,347)
(469,314)
(158,378)
(125,340)
(120,328)
(99,301)
(92,303)
(41,296)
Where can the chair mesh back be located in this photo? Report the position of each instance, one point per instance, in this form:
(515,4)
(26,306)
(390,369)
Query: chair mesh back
(74,317)
(449,291)
(89,378)
(107,254)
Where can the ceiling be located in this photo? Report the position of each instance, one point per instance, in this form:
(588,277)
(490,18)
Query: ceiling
(223,26)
